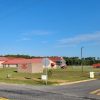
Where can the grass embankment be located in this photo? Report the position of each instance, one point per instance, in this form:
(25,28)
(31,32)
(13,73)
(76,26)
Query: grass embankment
(72,73)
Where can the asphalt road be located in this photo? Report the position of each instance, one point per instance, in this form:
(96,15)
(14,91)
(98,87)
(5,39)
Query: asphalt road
(79,91)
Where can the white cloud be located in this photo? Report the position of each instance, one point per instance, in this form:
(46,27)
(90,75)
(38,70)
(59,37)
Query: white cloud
(84,38)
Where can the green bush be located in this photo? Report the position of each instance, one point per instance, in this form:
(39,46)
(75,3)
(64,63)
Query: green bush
(49,73)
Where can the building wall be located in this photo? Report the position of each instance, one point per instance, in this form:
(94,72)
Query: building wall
(30,68)
(37,68)
(63,62)
(1,65)
(9,65)
(25,68)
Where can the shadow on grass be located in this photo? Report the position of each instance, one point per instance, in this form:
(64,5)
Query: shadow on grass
(16,71)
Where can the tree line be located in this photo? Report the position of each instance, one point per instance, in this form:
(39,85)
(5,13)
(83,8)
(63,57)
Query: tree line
(79,61)
(69,60)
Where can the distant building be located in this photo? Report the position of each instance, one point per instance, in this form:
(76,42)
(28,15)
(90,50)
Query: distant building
(25,65)
(2,60)
(96,65)
(34,65)
(13,62)
(56,62)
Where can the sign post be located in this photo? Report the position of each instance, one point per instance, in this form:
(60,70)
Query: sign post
(46,63)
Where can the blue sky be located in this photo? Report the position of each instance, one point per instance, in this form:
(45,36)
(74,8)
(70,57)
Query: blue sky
(50,27)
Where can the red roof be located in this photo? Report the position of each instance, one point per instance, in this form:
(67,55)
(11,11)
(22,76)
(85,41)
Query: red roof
(8,58)
(33,60)
(22,61)
(54,59)
(3,58)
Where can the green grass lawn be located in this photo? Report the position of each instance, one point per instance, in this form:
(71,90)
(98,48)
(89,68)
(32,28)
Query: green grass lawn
(70,74)
(74,73)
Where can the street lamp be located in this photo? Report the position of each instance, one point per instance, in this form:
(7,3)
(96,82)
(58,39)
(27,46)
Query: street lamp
(82,58)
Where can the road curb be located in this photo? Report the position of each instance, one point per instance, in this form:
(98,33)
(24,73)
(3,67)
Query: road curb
(69,83)
(96,92)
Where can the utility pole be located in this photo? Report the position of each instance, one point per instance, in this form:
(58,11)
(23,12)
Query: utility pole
(46,70)
(82,58)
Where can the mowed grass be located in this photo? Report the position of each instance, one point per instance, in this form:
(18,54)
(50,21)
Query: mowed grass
(70,74)
(74,73)
(15,77)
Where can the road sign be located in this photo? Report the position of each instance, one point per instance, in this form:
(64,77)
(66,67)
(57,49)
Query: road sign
(91,74)
(44,77)
(46,62)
